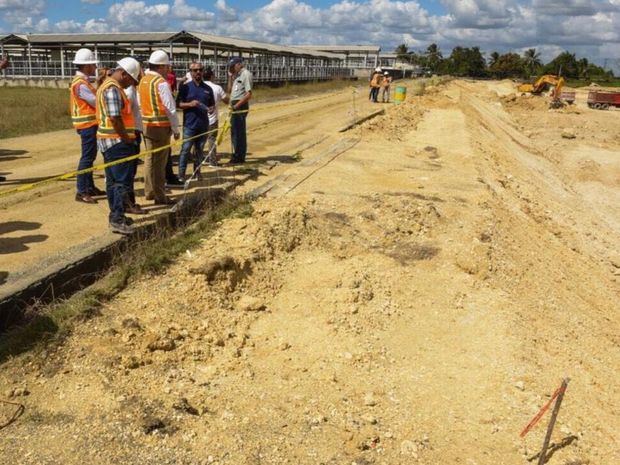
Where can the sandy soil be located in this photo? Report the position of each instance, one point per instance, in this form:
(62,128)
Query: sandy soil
(412,293)
(34,225)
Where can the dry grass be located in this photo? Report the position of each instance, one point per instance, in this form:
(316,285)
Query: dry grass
(264,93)
(32,110)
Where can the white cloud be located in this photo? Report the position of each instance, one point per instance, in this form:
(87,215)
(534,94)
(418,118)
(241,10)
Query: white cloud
(137,16)
(588,26)
(92,2)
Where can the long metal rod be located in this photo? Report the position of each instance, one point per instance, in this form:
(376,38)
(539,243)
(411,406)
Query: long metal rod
(554,415)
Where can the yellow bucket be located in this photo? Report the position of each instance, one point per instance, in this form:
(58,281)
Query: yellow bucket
(400,93)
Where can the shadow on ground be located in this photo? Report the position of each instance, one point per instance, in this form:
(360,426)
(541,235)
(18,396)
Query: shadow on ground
(10,245)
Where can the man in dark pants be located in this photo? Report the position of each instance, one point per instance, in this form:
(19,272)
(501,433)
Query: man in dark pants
(196,100)
(240,91)
(116,138)
(82,104)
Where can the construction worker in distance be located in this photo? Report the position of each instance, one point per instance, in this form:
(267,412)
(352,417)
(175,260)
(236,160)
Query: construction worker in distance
(385,87)
(116,138)
(82,108)
(159,117)
(375,84)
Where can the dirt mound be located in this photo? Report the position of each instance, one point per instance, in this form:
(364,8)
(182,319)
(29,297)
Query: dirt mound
(414,307)
(502,88)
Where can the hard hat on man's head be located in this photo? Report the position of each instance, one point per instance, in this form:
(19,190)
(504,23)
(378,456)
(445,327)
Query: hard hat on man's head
(378,70)
(131,66)
(386,73)
(84,56)
(234,60)
(159,57)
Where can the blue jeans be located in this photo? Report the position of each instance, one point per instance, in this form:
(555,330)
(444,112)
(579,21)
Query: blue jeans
(119,179)
(238,134)
(89,152)
(198,143)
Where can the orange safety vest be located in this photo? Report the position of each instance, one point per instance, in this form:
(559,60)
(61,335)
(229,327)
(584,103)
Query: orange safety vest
(82,114)
(151,106)
(105,129)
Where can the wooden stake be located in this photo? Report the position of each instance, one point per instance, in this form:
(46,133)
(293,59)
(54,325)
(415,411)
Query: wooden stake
(556,409)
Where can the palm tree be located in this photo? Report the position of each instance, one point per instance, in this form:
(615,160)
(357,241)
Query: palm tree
(532,60)
(493,58)
(433,56)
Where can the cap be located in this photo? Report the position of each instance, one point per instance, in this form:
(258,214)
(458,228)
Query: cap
(234,61)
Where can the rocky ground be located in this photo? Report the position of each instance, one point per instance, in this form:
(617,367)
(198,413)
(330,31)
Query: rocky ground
(413,298)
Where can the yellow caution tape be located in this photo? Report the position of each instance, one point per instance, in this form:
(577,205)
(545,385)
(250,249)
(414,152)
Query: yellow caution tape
(220,136)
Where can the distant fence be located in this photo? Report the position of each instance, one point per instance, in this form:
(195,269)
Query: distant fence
(56,69)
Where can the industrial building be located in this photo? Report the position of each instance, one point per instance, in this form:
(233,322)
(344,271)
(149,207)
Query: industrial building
(47,57)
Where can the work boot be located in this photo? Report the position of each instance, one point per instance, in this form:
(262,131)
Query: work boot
(93,191)
(121,227)
(85,198)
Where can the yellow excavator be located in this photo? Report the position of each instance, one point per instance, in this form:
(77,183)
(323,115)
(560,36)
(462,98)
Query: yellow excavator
(542,84)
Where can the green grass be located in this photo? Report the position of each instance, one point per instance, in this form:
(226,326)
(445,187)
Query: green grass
(32,110)
(586,82)
(53,322)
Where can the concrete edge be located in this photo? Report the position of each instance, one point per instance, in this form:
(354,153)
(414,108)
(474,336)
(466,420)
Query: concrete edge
(362,119)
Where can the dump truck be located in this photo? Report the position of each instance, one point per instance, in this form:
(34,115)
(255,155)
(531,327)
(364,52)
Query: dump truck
(601,100)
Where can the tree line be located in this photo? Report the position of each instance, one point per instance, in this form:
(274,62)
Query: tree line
(470,61)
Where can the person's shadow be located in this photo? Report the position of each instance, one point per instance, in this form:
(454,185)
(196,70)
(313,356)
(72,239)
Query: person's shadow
(10,245)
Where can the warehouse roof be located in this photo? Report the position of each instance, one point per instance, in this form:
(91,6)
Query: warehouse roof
(183,37)
(343,48)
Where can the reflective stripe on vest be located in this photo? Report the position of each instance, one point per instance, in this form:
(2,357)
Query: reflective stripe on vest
(106,129)
(151,106)
(82,114)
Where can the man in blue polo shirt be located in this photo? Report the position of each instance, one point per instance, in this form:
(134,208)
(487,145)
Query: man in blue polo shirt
(197,102)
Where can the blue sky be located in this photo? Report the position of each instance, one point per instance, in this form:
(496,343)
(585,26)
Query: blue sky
(589,28)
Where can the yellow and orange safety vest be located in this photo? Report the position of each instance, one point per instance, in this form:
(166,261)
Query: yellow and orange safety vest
(151,106)
(106,129)
(82,114)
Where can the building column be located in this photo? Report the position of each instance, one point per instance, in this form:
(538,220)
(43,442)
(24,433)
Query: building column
(200,50)
(62,62)
(29,60)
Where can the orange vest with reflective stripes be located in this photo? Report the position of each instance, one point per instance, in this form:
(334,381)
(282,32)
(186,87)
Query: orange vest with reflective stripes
(151,106)
(82,114)
(105,129)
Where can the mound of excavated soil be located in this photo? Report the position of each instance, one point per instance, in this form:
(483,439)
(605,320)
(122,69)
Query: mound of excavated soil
(415,300)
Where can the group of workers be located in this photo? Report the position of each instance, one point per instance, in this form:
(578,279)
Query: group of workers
(130,104)
(380,81)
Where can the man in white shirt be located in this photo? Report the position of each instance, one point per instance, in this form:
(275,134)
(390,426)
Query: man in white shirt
(159,117)
(220,96)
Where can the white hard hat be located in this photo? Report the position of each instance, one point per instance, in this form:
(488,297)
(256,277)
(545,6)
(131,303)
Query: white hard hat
(84,57)
(378,70)
(386,73)
(159,57)
(131,66)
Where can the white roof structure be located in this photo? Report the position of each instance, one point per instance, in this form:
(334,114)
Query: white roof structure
(188,38)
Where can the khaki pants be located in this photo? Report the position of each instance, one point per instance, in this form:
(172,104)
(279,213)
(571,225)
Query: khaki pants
(155,163)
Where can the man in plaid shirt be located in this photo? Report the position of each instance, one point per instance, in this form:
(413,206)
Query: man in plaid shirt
(116,138)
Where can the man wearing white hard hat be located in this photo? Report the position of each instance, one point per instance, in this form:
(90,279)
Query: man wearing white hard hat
(375,84)
(116,138)
(82,105)
(159,117)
